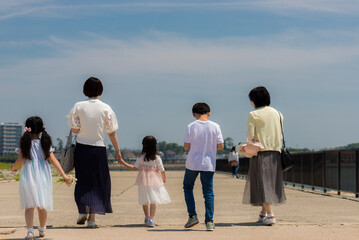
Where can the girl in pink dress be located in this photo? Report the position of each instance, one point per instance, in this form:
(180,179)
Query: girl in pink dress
(150,179)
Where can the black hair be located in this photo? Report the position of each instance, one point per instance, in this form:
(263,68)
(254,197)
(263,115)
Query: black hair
(149,148)
(233,149)
(259,96)
(35,126)
(201,108)
(93,87)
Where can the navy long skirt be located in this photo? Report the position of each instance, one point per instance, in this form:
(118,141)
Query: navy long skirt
(93,186)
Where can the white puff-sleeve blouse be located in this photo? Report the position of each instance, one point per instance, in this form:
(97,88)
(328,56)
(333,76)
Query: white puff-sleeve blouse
(94,118)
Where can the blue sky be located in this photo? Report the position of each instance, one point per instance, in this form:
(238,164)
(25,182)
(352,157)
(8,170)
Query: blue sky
(157,58)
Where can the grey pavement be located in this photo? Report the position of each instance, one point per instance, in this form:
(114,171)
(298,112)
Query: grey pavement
(304,216)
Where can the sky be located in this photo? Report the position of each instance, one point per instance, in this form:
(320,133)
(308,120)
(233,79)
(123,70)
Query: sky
(157,58)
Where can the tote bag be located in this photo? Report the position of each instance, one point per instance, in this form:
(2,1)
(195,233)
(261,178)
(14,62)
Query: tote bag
(67,162)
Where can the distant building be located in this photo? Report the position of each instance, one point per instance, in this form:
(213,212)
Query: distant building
(10,134)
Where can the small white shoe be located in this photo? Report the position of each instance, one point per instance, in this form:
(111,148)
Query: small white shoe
(30,234)
(82,219)
(41,231)
(91,224)
(269,221)
(261,217)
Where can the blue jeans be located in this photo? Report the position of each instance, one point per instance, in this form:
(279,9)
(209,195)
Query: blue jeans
(235,170)
(207,190)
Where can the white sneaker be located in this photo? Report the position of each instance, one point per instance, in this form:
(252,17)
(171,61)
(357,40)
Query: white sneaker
(261,217)
(41,231)
(91,224)
(30,234)
(269,221)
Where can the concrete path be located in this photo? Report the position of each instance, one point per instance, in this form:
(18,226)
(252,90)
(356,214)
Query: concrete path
(304,216)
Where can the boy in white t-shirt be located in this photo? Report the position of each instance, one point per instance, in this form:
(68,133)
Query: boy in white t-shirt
(203,139)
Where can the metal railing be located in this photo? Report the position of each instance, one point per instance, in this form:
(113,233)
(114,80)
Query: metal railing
(336,170)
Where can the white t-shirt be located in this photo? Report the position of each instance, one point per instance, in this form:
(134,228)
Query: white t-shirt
(93,117)
(157,162)
(233,156)
(203,137)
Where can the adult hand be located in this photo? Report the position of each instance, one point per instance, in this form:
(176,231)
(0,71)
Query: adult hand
(67,179)
(118,156)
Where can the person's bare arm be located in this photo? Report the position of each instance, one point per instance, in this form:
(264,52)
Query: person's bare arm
(220,146)
(18,163)
(163,173)
(59,169)
(114,141)
(187,146)
(129,166)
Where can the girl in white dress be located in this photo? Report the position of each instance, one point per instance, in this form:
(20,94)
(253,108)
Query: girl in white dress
(36,180)
(150,179)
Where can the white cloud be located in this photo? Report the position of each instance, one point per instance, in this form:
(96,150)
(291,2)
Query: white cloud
(176,55)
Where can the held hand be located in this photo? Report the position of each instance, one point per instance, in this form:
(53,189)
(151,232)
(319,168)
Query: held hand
(118,156)
(67,179)
(164,179)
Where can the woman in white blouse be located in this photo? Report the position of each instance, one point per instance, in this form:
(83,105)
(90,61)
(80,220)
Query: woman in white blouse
(91,120)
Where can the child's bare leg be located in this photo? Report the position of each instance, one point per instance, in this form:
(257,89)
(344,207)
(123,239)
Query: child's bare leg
(29,217)
(42,217)
(152,210)
(145,210)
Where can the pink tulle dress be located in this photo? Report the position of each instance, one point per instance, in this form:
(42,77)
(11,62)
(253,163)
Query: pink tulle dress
(151,189)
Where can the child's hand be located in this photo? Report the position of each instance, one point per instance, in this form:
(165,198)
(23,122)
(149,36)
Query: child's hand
(164,179)
(67,179)
(12,169)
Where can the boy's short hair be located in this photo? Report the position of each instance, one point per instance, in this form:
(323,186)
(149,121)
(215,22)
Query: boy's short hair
(201,108)
(259,96)
(93,87)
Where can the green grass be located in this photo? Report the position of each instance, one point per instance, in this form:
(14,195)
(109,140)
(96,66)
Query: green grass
(5,166)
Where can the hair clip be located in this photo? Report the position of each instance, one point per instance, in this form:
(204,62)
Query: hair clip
(27,129)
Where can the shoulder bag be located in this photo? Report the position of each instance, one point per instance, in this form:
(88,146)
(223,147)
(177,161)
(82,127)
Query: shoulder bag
(67,162)
(287,160)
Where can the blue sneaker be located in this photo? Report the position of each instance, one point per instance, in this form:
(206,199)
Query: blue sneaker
(146,220)
(191,221)
(150,223)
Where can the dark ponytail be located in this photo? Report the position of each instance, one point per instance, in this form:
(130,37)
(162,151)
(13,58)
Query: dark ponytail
(35,125)
(46,143)
(25,145)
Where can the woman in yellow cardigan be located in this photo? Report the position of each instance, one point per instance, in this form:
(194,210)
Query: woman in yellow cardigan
(264,186)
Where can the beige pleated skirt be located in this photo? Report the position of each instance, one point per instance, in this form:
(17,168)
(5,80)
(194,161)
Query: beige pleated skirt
(265,180)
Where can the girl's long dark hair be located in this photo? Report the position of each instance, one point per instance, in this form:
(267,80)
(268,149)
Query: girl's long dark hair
(37,126)
(149,148)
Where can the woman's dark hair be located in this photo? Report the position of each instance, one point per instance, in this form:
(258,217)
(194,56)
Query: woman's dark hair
(35,126)
(233,149)
(259,96)
(93,87)
(201,108)
(149,148)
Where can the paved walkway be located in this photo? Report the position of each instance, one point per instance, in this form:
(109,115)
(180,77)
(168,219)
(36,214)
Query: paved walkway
(304,216)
